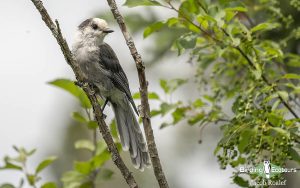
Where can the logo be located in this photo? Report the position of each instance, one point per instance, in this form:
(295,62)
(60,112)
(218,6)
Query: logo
(266,170)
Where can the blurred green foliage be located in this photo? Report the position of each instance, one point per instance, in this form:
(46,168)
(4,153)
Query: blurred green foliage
(92,171)
(246,54)
(19,163)
(85,174)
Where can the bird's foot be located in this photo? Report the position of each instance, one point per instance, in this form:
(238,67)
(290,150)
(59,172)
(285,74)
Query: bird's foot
(85,84)
(79,83)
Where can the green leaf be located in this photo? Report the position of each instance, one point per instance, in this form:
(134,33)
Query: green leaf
(280,131)
(153,28)
(284,95)
(198,103)
(99,160)
(245,139)
(78,117)
(166,107)
(217,149)
(6,185)
(84,167)
(136,95)
(236,41)
(188,41)
(275,104)
(240,181)
(164,85)
(195,119)
(49,185)
(101,147)
(209,98)
(92,125)
(264,26)
(229,15)
(10,166)
(237,162)
(44,164)
(155,113)
(177,46)
(172,22)
(73,179)
(294,154)
(219,18)
(164,124)
(225,2)
(292,76)
(105,174)
(84,144)
(28,153)
(153,95)
(239,9)
(113,129)
(188,8)
(32,179)
(275,119)
(294,62)
(76,91)
(135,3)
(175,83)
(178,115)
(87,184)
(204,22)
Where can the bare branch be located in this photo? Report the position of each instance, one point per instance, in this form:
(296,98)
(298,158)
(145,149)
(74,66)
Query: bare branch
(55,29)
(145,109)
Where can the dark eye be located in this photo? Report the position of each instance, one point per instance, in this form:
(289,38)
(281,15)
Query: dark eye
(94,26)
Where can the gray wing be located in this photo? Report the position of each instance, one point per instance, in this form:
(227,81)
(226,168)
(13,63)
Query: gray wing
(109,61)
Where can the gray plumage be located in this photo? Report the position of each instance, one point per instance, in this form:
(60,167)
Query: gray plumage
(101,67)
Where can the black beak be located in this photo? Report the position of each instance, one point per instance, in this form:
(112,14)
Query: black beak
(108,31)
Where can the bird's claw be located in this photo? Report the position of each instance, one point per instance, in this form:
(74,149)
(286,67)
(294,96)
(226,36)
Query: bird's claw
(78,83)
(83,85)
(104,116)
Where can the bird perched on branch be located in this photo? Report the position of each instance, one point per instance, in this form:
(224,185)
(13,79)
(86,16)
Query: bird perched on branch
(102,69)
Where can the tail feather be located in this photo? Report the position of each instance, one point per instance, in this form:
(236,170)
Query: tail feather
(131,135)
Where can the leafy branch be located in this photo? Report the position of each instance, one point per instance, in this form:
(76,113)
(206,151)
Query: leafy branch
(238,48)
(237,63)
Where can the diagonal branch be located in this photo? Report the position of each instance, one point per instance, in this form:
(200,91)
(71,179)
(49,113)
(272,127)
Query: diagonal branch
(55,29)
(145,109)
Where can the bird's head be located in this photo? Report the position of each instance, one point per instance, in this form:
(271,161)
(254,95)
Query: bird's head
(94,29)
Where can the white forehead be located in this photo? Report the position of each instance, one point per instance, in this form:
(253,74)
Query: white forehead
(100,22)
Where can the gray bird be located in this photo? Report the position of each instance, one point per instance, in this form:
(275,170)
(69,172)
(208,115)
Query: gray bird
(102,69)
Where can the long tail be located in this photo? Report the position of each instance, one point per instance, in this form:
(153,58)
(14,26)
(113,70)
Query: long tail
(131,135)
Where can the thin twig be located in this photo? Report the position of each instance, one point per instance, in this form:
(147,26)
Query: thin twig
(55,29)
(191,22)
(145,108)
